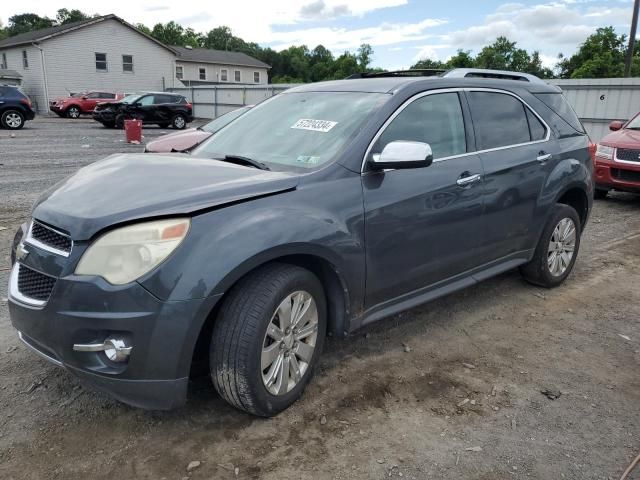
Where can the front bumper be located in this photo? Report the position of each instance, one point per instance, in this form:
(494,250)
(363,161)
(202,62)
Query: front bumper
(57,109)
(616,175)
(103,116)
(82,310)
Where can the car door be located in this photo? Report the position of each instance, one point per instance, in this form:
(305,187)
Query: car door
(144,108)
(89,101)
(422,225)
(516,151)
(163,108)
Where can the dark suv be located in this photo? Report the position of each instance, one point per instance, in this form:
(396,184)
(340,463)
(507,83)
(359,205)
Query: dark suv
(323,209)
(15,107)
(160,108)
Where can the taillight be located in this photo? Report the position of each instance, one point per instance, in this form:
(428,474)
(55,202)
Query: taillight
(592,152)
(189,106)
(26,101)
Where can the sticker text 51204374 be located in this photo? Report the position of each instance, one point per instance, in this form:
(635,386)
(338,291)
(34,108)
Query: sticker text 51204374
(314,125)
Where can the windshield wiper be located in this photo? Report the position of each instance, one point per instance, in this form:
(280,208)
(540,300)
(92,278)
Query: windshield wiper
(245,161)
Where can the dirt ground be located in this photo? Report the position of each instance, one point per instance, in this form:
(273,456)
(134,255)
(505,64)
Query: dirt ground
(450,390)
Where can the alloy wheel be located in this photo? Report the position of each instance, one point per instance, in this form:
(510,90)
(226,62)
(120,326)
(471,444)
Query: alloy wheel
(561,247)
(74,112)
(13,120)
(179,122)
(289,343)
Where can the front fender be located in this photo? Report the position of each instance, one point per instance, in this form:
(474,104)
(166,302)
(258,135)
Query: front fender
(324,220)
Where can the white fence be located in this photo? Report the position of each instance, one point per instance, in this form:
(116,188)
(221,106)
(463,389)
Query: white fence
(211,101)
(596,101)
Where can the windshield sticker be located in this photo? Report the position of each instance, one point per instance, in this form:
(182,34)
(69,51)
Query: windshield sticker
(314,125)
(308,159)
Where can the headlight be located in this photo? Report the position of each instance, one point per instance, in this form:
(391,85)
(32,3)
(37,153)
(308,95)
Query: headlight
(604,151)
(125,254)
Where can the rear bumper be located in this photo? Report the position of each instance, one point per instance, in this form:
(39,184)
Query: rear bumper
(88,310)
(617,175)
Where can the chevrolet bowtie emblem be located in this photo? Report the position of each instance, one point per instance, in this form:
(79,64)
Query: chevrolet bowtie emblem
(21,252)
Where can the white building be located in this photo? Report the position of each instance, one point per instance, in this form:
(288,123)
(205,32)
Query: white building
(107,53)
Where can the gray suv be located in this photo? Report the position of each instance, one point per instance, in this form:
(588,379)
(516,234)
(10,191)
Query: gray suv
(323,209)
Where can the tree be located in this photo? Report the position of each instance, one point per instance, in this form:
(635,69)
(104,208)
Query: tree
(27,22)
(64,16)
(428,64)
(169,33)
(364,56)
(462,59)
(601,55)
(503,55)
(3,31)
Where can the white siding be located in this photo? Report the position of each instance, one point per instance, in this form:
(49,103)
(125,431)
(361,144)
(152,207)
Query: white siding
(70,61)
(32,79)
(190,72)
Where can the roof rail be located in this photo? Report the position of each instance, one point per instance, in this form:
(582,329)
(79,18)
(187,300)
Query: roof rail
(487,73)
(418,72)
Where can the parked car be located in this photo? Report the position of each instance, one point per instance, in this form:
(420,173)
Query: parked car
(15,107)
(192,137)
(159,108)
(617,159)
(323,209)
(81,103)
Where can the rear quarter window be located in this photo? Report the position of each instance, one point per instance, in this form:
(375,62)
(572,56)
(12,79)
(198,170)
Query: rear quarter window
(558,103)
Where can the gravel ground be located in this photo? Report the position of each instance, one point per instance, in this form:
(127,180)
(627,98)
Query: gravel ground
(451,389)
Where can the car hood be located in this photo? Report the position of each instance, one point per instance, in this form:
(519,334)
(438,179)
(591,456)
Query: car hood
(625,138)
(178,140)
(127,187)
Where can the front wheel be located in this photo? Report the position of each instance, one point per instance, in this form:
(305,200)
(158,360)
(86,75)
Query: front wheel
(178,121)
(12,119)
(73,112)
(557,249)
(268,338)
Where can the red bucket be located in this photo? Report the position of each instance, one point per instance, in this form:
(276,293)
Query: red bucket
(133,131)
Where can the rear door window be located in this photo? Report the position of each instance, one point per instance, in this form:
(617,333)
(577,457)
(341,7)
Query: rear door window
(434,119)
(146,100)
(536,127)
(499,120)
(161,99)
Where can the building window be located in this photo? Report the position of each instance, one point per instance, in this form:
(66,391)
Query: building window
(202,73)
(127,63)
(237,76)
(179,72)
(25,60)
(101,62)
(256,77)
(223,75)
(4,61)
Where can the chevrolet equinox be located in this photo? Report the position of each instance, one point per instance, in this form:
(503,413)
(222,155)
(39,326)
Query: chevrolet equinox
(322,209)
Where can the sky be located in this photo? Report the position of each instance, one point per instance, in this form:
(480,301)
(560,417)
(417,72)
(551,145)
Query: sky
(401,32)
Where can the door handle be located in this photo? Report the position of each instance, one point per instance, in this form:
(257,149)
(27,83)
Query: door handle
(543,157)
(468,180)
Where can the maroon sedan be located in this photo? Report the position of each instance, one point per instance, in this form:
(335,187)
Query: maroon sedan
(617,159)
(185,140)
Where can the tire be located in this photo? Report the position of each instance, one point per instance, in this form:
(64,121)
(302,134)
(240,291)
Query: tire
(73,112)
(538,271)
(600,194)
(178,121)
(240,341)
(119,121)
(12,119)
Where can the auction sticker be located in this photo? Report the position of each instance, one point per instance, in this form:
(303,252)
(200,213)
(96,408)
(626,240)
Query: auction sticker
(314,125)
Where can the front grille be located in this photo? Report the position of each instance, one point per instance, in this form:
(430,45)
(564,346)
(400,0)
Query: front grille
(625,175)
(50,237)
(34,284)
(628,155)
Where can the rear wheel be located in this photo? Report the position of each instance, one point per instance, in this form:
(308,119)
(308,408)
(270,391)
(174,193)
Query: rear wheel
(73,112)
(267,339)
(178,121)
(557,249)
(12,119)
(600,194)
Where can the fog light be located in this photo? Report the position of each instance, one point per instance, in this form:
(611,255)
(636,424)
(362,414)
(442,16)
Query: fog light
(115,349)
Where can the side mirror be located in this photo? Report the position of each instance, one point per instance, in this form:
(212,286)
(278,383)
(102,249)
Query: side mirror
(403,154)
(616,125)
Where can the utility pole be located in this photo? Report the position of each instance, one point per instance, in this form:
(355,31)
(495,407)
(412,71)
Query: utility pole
(632,39)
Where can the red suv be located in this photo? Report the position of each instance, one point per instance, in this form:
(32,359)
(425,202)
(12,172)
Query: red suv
(80,103)
(617,159)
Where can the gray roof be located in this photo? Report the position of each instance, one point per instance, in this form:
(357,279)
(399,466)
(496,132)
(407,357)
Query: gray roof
(46,33)
(5,73)
(206,55)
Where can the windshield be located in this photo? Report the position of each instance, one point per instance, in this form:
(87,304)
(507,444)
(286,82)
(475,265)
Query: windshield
(294,131)
(223,120)
(78,95)
(130,98)
(634,124)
